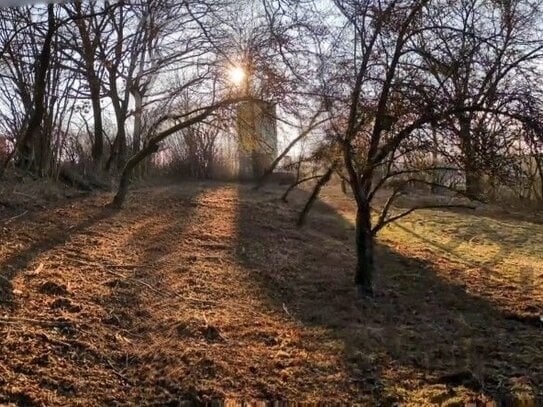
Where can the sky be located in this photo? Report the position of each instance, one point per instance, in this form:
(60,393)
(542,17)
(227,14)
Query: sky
(13,3)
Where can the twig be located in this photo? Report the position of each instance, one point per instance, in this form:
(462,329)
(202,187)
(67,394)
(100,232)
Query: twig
(22,194)
(101,265)
(117,373)
(53,324)
(124,266)
(14,217)
(149,286)
(287,311)
(156,290)
(106,267)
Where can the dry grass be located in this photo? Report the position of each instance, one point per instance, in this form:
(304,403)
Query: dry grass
(204,291)
(493,253)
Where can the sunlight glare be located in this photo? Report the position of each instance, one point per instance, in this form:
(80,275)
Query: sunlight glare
(237,75)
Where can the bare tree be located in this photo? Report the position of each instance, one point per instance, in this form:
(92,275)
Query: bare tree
(85,42)
(384,102)
(27,55)
(479,57)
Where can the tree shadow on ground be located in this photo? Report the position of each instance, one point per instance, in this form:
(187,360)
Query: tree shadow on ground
(145,249)
(145,303)
(121,291)
(423,338)
(44,230)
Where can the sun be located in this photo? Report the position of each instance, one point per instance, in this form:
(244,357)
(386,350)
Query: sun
(236,74)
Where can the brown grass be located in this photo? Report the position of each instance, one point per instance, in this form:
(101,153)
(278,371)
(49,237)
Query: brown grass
(209,291)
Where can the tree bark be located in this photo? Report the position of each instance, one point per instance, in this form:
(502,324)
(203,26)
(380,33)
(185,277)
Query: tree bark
(119,148)
(124,182)
(474,182)
(365,265)
(318,186)
(98,145)
(344,187)
(88,54)
(29,141)
(138,110)
(473,176)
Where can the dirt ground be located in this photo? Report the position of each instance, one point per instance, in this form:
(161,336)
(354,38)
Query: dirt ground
(206,291)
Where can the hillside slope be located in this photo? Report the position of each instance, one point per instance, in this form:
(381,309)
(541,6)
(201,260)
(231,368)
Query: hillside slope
(203,291)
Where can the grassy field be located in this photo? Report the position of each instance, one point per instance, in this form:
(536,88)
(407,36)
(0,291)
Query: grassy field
(489,247)
(203,291)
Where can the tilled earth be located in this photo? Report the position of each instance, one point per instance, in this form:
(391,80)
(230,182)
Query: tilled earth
(205,291)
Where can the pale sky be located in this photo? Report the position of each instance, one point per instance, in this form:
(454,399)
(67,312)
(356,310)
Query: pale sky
(14,3)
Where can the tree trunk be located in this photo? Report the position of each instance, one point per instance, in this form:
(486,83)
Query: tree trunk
(121,144)
(436,179)
(88,54)
(98,145)
(138,110)
(124,182)
(365,266)
(344,187)
(30,139)
(473,175)
(119,150)
(138,124)
(474,182)
(314,195)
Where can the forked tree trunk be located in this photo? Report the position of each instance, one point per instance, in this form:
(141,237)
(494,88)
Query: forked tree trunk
(31,137)
(365,266)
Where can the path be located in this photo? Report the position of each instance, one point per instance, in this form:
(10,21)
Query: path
(209,291)
(149,303)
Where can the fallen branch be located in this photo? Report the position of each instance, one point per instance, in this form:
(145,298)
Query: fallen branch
(149,286)
(23,194)
(14,217)
(154,289)
(117,373)
(106,267)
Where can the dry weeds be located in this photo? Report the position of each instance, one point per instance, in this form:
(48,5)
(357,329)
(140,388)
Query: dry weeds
(208,291)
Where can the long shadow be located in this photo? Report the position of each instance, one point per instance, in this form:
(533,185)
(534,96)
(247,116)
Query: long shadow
(129,292)
(142,306)
(149,247)
(61,232)
(500,211)
(421,332)
(53,225)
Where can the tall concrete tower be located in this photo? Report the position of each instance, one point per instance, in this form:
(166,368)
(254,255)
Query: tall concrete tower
(257,133)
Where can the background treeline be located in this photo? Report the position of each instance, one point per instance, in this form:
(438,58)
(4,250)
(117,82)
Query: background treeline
(88,82)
